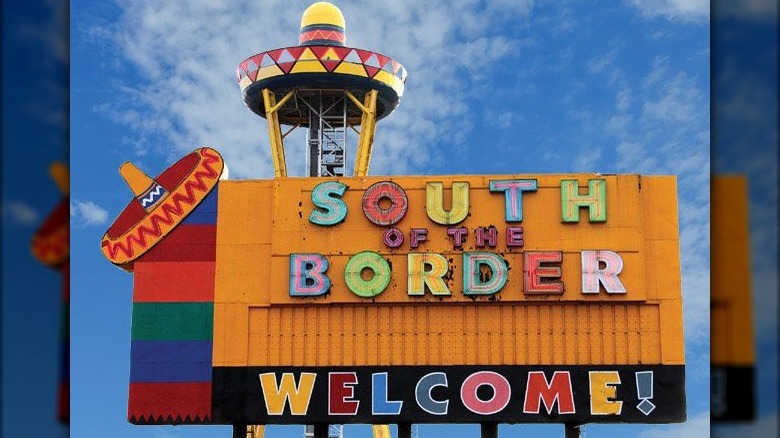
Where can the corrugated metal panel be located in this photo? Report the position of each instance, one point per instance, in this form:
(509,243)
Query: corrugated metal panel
(566,334)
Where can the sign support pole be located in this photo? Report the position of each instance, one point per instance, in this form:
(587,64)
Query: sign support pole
(489,430)
(321,430)
(571,430)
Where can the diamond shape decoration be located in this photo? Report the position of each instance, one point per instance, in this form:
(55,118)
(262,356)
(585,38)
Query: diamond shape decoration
(645,406)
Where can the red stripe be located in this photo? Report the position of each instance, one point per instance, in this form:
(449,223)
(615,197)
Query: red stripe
(156,402)
(174,282)
(186,243)
(63,403)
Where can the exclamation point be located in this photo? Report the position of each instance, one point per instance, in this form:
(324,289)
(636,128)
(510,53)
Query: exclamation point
(644,389)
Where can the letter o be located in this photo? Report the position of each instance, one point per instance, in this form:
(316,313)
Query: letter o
(385,190)
(501,392)
(360,286)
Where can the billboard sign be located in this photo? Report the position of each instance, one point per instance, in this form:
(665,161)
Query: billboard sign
(437,299)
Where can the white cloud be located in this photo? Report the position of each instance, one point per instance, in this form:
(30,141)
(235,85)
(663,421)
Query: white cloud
(20,213)
(678,10)
(87,213)
(181,76)
(696,427)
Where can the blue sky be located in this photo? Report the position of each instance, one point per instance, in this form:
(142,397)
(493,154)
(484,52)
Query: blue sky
(494,87)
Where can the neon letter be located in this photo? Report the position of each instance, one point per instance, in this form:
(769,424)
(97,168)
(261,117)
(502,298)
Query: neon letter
(417,235)
(457,235)
(602,389)
(487,236)
(380,404)
(385,190)
(434,202)
(513,195)
(514,236)
(501,393)
(276,396)
(354,269)
(487,281)
(595,200)
(419,277)
(422,392)
(341,392)
(558,389)
(592,275)
(540,279)
(307,275)
(393,237)
(327,196)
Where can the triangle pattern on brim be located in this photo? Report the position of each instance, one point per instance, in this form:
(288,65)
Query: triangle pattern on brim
(308,55)
(364,55)
(372,71)
(330,65)
(353,57)
(266,60)
(373,61)
(325,53)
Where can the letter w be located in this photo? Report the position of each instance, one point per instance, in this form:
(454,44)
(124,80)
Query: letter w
(277,395)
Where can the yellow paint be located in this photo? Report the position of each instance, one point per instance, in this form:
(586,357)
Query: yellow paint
(308,63)
(274,130)
(330,55)
(381,430)
(268,72)
(322,13)
(308,67)
(257,323)
(298,395)
(434,203)
(602,389)
(136,179)
(367,129)
(427,269)
(351,69)
(386,78)
(731,323)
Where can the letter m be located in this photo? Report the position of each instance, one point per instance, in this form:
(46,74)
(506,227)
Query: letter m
(539,390)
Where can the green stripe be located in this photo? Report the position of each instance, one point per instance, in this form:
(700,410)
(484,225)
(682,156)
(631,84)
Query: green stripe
(172,321)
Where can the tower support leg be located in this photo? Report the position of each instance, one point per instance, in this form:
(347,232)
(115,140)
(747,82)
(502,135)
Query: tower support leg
(367,129)
(275,131)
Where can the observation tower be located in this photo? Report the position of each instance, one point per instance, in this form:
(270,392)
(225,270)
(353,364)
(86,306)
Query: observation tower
(325,87)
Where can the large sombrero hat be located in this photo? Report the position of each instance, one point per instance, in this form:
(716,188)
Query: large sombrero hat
(160,204)
(321,62)
(51,242)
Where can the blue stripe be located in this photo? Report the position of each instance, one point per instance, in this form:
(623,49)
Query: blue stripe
(206,212)
(170,361)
